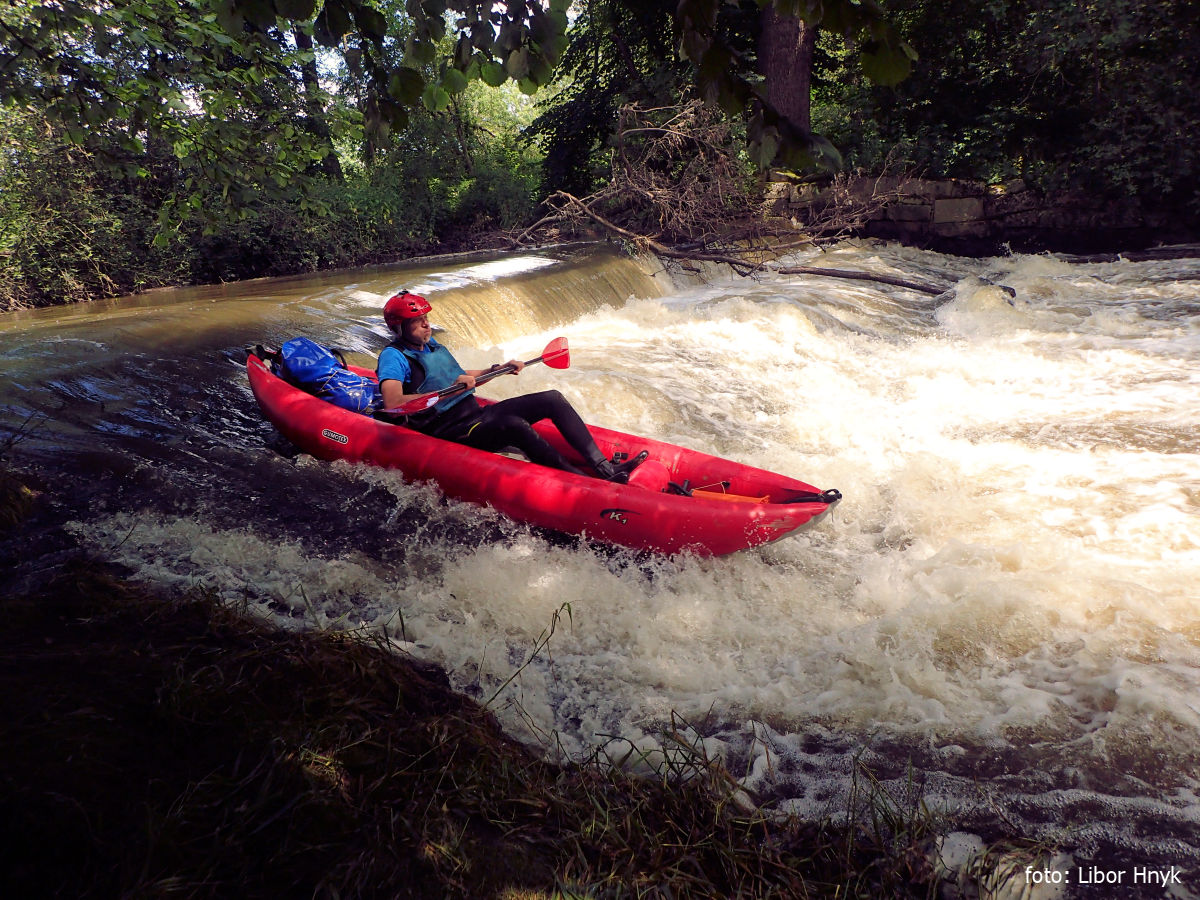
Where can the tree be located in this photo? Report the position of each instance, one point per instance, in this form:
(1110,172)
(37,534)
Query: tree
(1099,97)
(729,76)
(785,55)
(93,62)
(619,53)
(226,96)
(314,98)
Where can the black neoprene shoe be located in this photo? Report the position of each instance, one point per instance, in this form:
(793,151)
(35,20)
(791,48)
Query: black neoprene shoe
(619,472)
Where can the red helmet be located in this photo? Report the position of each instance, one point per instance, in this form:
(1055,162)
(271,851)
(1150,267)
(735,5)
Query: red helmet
(404,306)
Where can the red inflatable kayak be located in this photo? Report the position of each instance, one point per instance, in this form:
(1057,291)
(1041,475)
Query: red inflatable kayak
(731,506)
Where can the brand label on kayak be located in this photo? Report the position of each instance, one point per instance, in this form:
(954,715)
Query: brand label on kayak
(618,515)
(334,436)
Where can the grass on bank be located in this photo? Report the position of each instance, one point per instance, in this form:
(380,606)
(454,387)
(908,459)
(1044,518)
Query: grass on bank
(162,747)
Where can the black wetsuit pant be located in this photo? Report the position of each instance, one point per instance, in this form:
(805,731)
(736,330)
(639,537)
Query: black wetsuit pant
(509,423)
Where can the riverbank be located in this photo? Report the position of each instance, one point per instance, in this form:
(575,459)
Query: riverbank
(976,219)
(170,744)
(971,220)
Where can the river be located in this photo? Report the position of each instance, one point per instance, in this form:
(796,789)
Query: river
(1001,621)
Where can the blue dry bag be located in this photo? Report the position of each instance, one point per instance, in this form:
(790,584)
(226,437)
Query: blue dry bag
(317,370)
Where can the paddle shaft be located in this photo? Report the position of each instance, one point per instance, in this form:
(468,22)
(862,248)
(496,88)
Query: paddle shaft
(482,379)
(553,352)
(490,374)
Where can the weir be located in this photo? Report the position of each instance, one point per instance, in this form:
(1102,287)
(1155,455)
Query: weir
(64,363)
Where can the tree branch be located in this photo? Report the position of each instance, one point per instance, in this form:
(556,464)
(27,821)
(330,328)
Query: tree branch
(854,275)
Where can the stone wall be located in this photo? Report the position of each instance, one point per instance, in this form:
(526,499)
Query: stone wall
(973,218)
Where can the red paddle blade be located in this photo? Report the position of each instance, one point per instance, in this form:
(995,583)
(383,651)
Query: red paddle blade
(557,355)
(413,406)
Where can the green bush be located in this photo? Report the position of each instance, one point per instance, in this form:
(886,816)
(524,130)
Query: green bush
(76,225)
(64,228)
(1092,97)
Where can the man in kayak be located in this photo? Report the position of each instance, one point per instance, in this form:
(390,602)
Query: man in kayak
(415,363)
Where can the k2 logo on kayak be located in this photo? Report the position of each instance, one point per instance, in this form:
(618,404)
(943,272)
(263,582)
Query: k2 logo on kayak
(618,515)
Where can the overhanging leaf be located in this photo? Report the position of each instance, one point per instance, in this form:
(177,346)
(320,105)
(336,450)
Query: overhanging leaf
(885,64)
(454,81)
(462,51)
(517,63)
(259,12)
(370,22)
(492,74)
(333,22)
(435,98)
(421,52)
(406,85)
(296,10)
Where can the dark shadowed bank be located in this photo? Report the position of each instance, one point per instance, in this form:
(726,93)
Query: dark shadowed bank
(161,746)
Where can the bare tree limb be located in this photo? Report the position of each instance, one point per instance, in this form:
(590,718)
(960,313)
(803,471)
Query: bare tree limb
(921,286)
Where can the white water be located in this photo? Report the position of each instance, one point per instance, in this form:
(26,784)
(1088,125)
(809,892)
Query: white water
(1006,599)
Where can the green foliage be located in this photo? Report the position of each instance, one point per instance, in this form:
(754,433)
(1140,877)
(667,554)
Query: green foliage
(149,142)
(420,53)
(619,53)
(659,52)
(1097,97)
(226,97)
(220,80)
(73,227)
(500,193)
(726,72)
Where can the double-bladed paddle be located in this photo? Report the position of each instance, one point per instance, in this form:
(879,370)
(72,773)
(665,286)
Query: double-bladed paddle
(556,356)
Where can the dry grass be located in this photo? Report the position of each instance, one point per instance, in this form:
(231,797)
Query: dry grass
(160,747)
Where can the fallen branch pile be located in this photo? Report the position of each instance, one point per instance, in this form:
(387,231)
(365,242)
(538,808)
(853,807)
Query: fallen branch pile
(680,191)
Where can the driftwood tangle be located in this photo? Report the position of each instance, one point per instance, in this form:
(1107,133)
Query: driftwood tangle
(679,191)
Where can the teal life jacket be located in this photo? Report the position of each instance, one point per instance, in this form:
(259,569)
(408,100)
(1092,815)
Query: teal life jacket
(433,370)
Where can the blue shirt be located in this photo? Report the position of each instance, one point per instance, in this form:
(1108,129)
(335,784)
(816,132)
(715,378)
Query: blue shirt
(394,366)
(441,370)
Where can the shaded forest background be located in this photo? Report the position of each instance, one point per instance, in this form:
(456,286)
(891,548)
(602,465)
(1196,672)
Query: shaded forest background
(146,143)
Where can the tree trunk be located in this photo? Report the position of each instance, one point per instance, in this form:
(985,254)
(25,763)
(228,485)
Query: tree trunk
(317,125)
(785,55)
(462,135)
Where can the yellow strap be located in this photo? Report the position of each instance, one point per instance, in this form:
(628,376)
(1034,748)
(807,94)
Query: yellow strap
(717,495)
